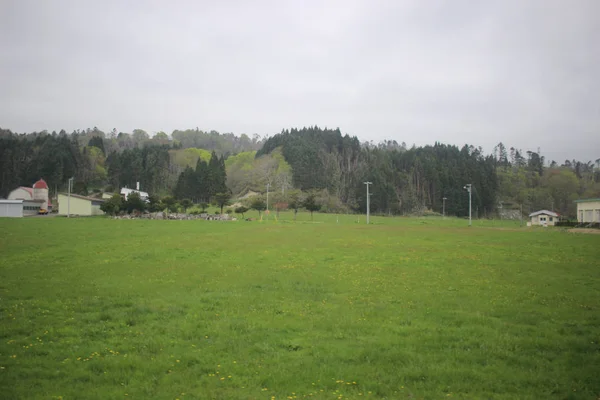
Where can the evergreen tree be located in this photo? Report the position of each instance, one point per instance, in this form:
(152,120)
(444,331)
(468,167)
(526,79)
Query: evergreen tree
(310,203)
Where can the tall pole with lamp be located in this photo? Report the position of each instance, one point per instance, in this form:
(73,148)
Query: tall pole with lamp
(468,187)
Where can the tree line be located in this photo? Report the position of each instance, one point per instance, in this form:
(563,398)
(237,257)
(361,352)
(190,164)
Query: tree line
(298,164)
(420,179)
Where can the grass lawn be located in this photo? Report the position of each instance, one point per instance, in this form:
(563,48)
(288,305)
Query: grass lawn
(404,308)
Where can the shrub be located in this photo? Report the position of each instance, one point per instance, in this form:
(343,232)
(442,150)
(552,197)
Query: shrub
(113,205)
(567,223)
(241,210)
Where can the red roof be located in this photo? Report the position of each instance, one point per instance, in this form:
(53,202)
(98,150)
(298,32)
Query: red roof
(30,190)
(41,184)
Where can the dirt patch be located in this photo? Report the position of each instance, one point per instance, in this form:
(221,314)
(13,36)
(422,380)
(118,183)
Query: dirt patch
(585,230)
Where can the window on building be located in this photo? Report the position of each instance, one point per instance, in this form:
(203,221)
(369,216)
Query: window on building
(550,219)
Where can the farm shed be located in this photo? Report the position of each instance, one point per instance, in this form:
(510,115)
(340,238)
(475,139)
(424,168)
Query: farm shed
(588,210)
(11,208)
(37,193)
(79,205)
(544,218)
(32,207)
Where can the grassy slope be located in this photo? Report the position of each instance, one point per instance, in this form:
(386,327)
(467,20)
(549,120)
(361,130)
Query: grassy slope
(104,309)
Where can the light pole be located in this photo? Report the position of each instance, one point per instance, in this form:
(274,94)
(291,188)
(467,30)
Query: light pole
(468,188)
(444,207)
(69,198)
(268,184)
(368,202)
(521,216)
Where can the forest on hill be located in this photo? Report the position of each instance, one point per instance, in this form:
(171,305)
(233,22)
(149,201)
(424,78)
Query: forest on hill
(331,167)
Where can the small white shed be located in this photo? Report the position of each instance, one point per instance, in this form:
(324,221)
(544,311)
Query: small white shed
(11,208)
(543,218)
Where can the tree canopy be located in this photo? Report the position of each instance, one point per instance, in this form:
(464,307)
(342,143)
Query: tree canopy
(197,165)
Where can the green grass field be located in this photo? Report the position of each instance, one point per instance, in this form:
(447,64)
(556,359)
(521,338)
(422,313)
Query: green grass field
(404,308)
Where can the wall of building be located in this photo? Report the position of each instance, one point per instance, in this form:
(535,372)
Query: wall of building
(543,220)
(588,211)
(41,194)
(31,207)
(11,208)
(19,194)
(77,207)
(96,209)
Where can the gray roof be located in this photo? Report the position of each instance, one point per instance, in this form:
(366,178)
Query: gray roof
(544,212)
(586,200)
(83,197)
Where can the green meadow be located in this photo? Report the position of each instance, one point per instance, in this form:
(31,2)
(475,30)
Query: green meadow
(404,308)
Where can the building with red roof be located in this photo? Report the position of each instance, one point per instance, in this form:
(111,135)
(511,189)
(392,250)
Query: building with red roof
(37,193)
(41,184)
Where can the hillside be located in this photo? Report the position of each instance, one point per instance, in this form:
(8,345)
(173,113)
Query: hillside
(321,161)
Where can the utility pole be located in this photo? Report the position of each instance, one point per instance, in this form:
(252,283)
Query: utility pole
(444,207)
(69,198)
(268,184)
(468,187)
(368,201)
(521,216)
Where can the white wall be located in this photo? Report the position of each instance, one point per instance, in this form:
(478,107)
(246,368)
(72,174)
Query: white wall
(588,211)
(543,219)
(12,209)
(19,194)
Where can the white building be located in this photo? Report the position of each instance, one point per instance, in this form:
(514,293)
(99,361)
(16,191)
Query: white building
(39,193)
(543,218)
(75,204)
(21,193)
(32,207)
(588,210)
(11,208)
(126,192)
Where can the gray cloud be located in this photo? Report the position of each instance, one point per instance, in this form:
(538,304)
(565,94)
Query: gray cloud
(524,73)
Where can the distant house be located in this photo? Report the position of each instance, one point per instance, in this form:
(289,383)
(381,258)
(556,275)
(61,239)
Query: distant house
(38,194)
(78,205)
(20,208)
(21,193)
(125,192)
(106,195)
(543,218)
(588,210)
(11,208)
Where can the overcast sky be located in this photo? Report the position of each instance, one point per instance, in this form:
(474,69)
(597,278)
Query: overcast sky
(526,73)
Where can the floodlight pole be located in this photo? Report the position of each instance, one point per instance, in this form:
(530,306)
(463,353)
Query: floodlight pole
(468,186)
(501,209)
(268,184)
(368,201)
(444,207)
(69,198)
(521,216)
